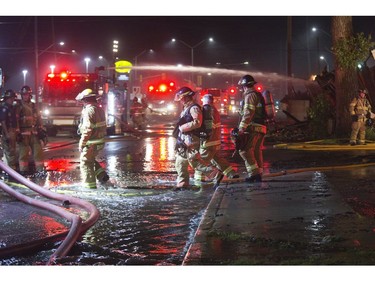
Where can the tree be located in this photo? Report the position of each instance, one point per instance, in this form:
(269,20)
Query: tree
(348,51)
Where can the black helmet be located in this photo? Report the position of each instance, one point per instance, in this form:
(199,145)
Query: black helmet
(247,80)
(9,94)
(184,92)
(26,90)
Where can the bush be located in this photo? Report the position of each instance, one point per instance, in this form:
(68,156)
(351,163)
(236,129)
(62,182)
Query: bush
(370,133)
(319,114)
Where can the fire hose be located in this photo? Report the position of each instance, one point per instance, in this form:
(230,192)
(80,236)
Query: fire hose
(77,227)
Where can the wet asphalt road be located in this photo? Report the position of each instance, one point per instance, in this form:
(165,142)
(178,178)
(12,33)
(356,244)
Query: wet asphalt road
(142,220)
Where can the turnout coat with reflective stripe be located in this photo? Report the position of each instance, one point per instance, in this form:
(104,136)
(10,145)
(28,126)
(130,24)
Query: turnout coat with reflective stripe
(360,107)
(252,112)
(92,126)
(214,125)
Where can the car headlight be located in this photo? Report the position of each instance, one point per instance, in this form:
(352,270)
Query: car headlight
(46,112)
(171,107)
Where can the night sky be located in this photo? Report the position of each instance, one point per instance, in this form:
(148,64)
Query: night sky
(260,40)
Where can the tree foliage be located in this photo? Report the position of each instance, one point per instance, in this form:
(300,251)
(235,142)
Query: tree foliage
(353,50)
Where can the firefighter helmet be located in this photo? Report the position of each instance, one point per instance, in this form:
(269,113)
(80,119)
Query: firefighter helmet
(86,93)
(247,80)
(184,92)
(362,91)
(26,90)
(207,98)
(9,94)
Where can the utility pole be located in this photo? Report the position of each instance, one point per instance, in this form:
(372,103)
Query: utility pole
(289,54)
(36,83)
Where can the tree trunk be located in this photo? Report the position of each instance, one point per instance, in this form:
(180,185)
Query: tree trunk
(346,81)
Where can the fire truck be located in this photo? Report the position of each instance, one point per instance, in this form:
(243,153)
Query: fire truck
(221,99)
(160,96)
(61,112)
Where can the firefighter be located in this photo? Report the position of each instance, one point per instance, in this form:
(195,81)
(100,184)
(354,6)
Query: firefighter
(252,128)
(210,140)
(137,113)
(93,130)
(29,124)
(10,129)
(145,107)
(360,111)
(187,133)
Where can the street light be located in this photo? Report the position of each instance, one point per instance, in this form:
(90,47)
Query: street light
(192,51)
(87,60)
(140,54)
(50,46)
(104,60)
(24,76)
(193,47)
(115,49)
(319,31)
(136,60)
(232,64)
(315,30)
(323,58)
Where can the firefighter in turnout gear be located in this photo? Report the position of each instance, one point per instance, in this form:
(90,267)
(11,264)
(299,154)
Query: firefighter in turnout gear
(29,124)
(210,138)
(10,129)
(137,113)
(93,130)
(188,140)
(252,129)
(360,111)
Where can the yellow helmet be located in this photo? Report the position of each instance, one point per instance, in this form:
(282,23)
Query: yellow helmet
(86,93)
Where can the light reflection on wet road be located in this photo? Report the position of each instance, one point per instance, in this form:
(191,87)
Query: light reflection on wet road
(142,220)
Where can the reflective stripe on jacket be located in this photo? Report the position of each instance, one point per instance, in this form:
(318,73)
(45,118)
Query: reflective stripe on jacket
(93,126)
(251,109)
(360,107)
(215,136)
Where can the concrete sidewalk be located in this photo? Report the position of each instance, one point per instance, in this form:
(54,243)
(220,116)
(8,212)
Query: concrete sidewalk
(291,219)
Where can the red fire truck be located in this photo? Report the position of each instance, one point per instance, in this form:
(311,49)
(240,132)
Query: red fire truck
(221,99)
(160,96)
(59,109)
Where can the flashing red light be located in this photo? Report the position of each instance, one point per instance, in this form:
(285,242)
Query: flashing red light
(63,75)
(51,75)
(232,90)
(259,88)
(163,88)
(151,88)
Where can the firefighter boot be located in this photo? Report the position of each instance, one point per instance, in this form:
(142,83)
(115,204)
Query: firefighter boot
(217,179)
(254,178)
